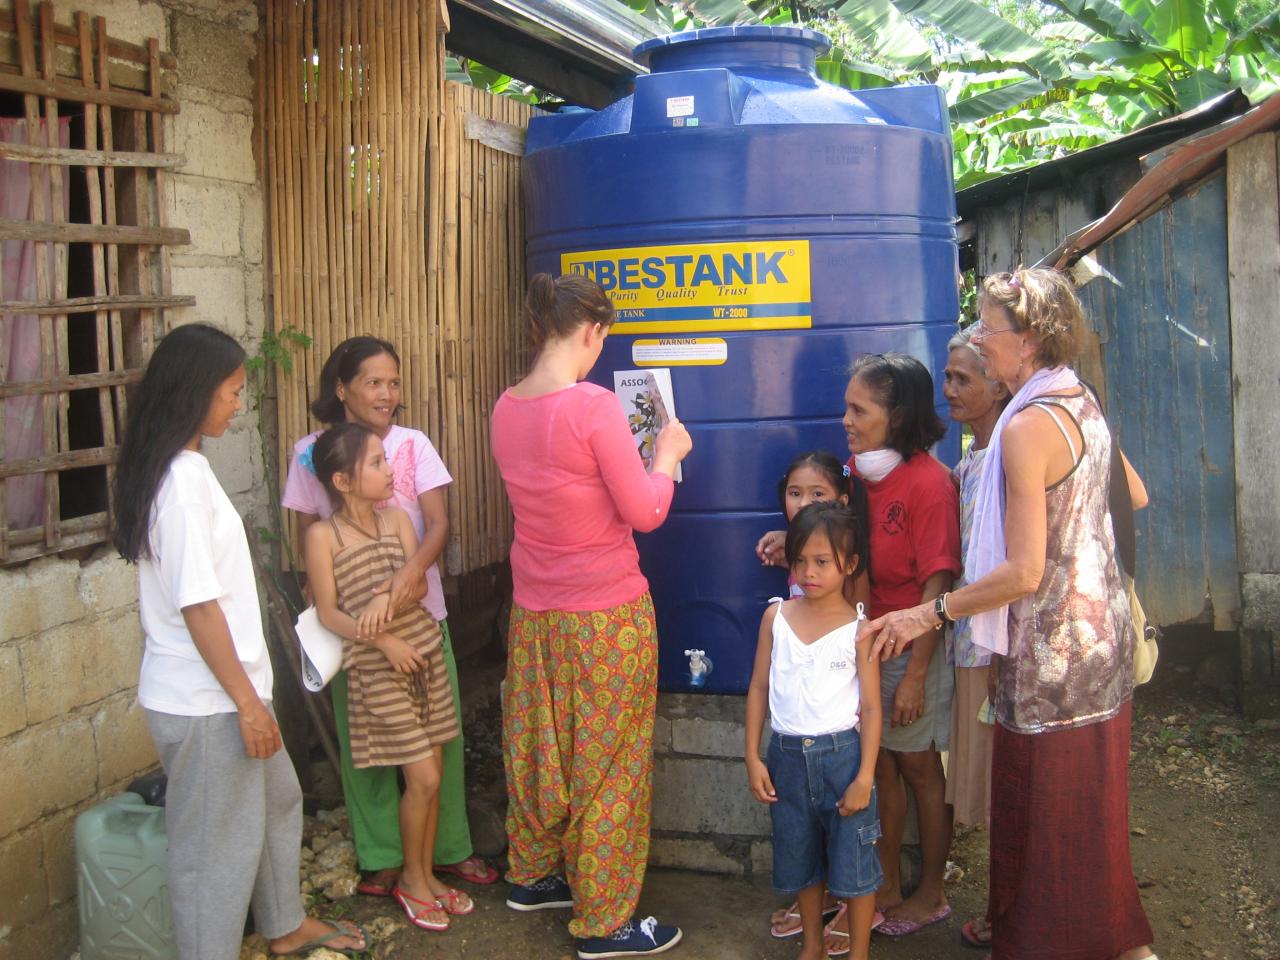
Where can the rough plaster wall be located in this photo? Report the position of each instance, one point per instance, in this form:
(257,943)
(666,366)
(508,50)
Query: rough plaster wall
(71,732)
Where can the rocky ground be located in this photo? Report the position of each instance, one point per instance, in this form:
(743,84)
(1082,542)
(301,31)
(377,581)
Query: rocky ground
(1205,831)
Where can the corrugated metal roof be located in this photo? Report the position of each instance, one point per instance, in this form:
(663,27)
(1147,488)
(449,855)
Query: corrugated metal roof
(1054,172)
(601,32)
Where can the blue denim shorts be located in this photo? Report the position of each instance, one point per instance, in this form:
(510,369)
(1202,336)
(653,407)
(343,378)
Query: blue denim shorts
(811,840)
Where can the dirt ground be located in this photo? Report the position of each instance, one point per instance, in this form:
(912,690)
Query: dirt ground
(1205,825)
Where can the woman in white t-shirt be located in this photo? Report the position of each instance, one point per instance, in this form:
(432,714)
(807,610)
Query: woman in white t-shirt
(233,805)
(360,383)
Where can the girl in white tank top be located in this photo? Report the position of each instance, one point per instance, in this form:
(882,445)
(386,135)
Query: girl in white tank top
(822,690)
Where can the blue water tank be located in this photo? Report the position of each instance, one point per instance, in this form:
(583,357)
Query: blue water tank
(758,229)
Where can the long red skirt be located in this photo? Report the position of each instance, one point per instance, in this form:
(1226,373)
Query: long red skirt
(1062,884)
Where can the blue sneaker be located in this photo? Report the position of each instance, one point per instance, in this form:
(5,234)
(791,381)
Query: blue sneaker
(549,893)
(633,939)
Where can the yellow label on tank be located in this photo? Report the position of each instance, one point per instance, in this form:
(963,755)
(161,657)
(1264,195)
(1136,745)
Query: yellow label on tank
(748,285)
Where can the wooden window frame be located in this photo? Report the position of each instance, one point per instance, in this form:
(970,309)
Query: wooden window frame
(123,90)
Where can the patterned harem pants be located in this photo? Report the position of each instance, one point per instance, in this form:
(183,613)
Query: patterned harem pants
(578,708)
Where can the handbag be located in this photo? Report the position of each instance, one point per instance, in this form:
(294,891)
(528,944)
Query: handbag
(1146,648)
(1146,651)
(321,650)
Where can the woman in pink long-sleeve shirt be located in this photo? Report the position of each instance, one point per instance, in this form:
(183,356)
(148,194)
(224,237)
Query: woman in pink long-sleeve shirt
(581,685)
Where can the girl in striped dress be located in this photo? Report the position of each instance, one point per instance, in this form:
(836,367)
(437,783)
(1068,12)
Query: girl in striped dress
(400,707)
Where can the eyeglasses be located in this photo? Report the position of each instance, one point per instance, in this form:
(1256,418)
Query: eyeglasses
(980,329)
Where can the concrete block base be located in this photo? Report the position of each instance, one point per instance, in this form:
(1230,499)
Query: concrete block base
(704,817)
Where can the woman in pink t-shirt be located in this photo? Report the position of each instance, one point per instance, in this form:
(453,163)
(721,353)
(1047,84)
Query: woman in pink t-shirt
(360,383)
(581,685)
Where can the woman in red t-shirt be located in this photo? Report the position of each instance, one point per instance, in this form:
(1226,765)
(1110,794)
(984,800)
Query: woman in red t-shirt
(914,518)
(914,514)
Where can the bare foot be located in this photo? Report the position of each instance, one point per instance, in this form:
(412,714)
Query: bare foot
(978,932)
(1137,953)
(917,909)
(380,883)
(422,896)
(472,869)
(835,935)
(887,898)
(314,929)
(788,918)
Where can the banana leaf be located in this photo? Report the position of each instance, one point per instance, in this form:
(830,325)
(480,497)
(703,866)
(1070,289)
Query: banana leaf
(975,24)
(879,25)
(1107,18)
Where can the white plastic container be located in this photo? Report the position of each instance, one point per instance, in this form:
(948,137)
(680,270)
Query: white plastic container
(123,882)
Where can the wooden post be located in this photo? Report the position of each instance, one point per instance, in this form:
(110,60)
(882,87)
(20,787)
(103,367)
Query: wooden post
(1253,245)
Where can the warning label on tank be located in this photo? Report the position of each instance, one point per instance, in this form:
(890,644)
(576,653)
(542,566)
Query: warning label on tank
(680,352)
(748,285)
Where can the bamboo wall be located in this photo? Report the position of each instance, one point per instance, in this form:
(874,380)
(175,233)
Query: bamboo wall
(395,212)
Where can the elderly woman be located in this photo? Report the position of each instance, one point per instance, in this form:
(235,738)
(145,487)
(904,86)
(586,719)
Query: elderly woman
(1045,595)
(976,401)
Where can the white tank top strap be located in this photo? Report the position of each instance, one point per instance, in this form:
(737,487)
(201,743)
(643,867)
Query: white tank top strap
(1047,408)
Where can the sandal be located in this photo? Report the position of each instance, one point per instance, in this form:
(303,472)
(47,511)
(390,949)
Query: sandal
(473,870)
(780,920)
(830,930)
(371,886)
(976,933)
(339,931)
(418,917)
(456,903)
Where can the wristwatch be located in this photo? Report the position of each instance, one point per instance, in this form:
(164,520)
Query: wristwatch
(940,611)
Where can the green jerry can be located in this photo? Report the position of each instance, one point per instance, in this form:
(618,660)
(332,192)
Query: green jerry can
(123,882)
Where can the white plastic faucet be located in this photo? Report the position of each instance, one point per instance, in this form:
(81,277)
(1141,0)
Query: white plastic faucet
(699,666)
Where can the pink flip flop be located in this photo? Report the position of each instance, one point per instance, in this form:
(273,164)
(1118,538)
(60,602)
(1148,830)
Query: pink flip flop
(418,917)
(893,927)
(485,873)
(877,919)
(449,903)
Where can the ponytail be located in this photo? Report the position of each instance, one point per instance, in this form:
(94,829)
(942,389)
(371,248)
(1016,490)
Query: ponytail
(556,306)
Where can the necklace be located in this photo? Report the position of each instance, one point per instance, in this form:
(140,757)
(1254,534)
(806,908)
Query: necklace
(342,515)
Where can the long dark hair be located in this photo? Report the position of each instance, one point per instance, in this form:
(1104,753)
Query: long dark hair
(842,481)
(167,410)
(902,386)
(341,367)
(846,534)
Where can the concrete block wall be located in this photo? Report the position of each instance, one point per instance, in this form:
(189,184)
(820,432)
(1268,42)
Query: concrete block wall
(71,732)
(704,817)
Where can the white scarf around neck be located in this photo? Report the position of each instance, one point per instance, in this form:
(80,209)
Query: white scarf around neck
(875,465)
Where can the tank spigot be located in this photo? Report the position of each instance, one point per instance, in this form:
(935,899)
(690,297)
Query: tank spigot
(699,666)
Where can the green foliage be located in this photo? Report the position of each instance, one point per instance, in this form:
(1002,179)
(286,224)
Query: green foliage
(275,353)
(1030,80)
(1026,80)
(476,74)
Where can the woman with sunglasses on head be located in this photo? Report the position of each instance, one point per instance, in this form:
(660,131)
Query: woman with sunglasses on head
(1045,596)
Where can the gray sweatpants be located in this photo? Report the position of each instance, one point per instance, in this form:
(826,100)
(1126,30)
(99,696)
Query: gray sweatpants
(235,830)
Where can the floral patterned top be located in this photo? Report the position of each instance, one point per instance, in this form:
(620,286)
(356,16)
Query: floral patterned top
(1070,660)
